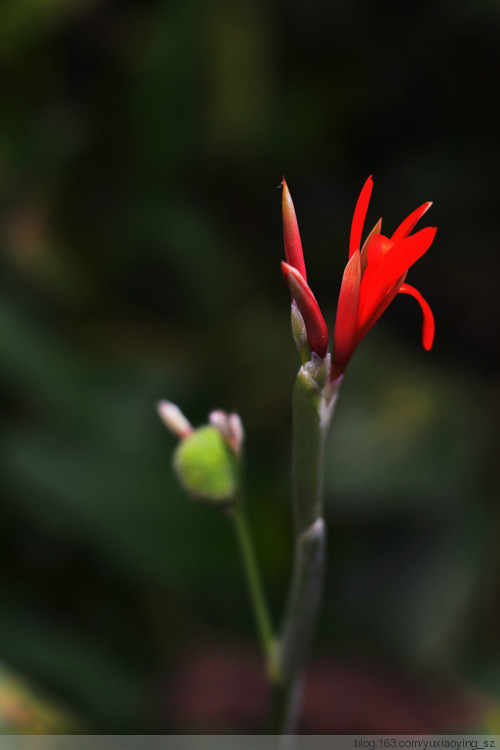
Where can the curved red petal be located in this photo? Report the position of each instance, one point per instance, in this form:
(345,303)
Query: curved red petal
(317,331)
(368,322)
(358,220)
(346,323)
(291,236)
(380,278)
(407,225)
(428,327)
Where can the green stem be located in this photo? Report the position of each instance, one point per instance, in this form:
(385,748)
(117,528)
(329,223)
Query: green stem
(311,418)
(313,406)
(256,590)
(303,599)
(285,699)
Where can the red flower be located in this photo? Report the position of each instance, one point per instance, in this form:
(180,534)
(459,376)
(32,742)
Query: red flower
(374,274)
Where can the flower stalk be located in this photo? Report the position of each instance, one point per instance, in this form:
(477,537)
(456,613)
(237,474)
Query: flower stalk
(311,416)
(208,464)
(313,406)
(255,587)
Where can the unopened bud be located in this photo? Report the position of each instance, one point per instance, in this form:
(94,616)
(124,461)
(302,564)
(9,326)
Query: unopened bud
(174,419)
(207,467)
(299,332)
(316,328)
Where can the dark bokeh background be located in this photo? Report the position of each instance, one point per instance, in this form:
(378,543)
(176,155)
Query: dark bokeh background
(141,144)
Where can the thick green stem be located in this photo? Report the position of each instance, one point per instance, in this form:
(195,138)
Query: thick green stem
(256,590)
(303,599)
(311,417)
(312,411)
(285,700)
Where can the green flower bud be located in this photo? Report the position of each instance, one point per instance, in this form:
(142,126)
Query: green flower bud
(299,332)
(207,467)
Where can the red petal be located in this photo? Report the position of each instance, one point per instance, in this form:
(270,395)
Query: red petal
(293,245)
(377,248)
(317,332)
(428,327)
(364,250)
(379,278)
(407,225)
(346,323)
(358,220)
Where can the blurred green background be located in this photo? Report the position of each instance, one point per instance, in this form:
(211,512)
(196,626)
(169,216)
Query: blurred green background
(141,144)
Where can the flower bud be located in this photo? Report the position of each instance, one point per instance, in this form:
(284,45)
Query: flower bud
(207,467)
(317,332)
(299,332)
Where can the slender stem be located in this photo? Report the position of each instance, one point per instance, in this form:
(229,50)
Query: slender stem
(256,590)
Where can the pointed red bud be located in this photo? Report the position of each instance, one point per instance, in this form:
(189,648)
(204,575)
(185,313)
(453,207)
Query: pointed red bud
(291,237)
(317,332)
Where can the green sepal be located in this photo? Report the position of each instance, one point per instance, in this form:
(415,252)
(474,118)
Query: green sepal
(206,466)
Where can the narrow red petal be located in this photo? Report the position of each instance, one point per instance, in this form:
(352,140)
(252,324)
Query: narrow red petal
(346,323)
(293,245)
(379,278)
(317,332)
(407,225)
(428,327)
(358,220)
